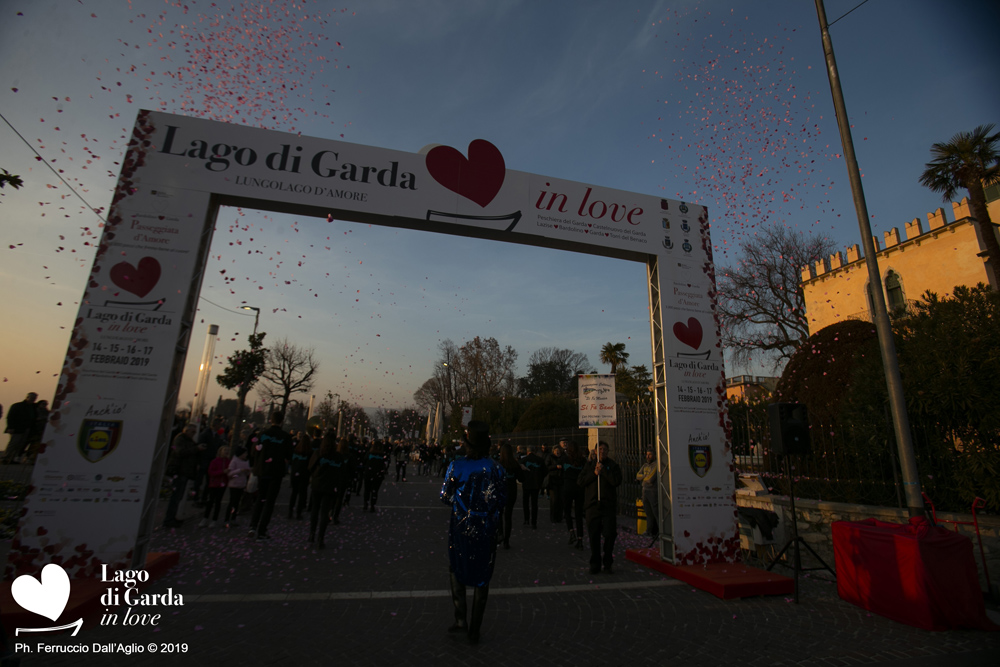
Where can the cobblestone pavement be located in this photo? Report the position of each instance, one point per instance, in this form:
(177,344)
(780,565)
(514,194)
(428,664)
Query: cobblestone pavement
(377,595)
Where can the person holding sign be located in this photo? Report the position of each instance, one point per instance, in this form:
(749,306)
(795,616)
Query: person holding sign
(600,479)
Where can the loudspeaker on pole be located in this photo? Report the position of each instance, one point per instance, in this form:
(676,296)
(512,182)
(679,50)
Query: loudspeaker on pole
(789,428)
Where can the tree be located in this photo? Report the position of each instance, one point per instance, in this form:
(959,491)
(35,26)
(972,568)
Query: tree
(288,370)
(970,160)
(614,355)
(242,373)
(12,179)
(761,302)
(482,368)
(554,371)
(633,382)
(429,394)
(549,411)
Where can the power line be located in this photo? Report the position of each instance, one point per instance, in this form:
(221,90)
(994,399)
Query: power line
(224,308)
(52,169)
(843,15)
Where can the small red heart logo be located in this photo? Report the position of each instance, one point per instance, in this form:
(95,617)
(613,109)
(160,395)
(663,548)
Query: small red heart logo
(139,281)
(555,226)
(690,334)
(607,233)
(478,178)
(586,231)
(590,224)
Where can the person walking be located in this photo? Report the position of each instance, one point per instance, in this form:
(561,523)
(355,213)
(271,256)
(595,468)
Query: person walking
(554,486)
(375,471)
(573,463)
(476,488)
(239,473)
(600,480)
(328,475)
(402,455)
(218,479)
(299,476)
(274,451)
(531,485)
(513,473)
(182,467)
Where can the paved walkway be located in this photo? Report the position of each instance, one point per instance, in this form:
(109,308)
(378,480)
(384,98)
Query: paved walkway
(377,595)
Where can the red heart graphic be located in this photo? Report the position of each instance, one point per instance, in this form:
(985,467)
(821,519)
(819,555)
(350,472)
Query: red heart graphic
(555,226)
(478,178)
(689,334)
(139,281)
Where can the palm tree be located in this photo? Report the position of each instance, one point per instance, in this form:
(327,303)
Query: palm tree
(614,354)
(970,160)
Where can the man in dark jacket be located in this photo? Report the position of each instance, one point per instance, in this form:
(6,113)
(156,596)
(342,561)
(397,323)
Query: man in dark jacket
(20,421)
(274,452)
(532,484)
(600,480)
(182,466)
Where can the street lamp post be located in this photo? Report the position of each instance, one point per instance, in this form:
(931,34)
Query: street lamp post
(883,328)
(256,316)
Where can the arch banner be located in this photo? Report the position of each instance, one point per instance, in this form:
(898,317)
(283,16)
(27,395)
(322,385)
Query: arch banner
(98,476)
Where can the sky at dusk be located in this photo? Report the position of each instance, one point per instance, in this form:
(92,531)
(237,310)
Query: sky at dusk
(722,104)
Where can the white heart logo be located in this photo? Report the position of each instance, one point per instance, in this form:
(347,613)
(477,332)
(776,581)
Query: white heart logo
(47,598)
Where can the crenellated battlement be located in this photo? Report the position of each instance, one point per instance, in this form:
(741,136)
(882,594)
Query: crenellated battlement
(913,230)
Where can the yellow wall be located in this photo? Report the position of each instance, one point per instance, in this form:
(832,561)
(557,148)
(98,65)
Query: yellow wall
(934,260)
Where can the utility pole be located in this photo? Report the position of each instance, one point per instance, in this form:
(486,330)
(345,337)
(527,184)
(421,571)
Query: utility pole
(897,402)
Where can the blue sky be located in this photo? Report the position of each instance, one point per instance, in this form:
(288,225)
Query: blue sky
(726,105)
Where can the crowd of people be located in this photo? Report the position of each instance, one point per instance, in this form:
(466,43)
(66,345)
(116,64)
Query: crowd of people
(324,472)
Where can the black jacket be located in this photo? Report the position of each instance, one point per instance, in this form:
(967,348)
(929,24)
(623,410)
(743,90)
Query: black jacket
(274,453)
(609,480)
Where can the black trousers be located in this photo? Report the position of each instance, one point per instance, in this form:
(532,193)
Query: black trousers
(507,516)
(531,506)
(602,526)
(573,508)
(320,506)
(267,494)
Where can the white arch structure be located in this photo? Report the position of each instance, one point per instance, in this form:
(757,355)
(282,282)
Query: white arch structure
(96,483)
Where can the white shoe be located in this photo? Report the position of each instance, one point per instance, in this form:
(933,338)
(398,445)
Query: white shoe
(203,523)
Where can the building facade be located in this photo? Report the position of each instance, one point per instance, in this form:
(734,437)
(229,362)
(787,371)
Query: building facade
(937,258)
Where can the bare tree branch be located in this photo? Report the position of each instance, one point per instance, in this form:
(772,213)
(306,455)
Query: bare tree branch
(760,299)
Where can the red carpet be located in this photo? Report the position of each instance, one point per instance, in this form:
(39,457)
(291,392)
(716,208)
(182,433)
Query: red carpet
(84,597)
(723,580)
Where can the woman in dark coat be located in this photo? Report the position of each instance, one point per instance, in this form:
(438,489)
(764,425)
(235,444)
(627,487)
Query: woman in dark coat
(513,473)
(328,469)
(476,489)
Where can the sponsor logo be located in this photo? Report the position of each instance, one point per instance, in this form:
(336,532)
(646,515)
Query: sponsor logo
(98,438)
(700,458)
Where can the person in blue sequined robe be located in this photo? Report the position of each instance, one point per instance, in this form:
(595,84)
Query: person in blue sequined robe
(475,488)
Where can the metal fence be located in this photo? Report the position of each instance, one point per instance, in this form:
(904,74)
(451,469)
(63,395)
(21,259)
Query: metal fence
(847,463)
